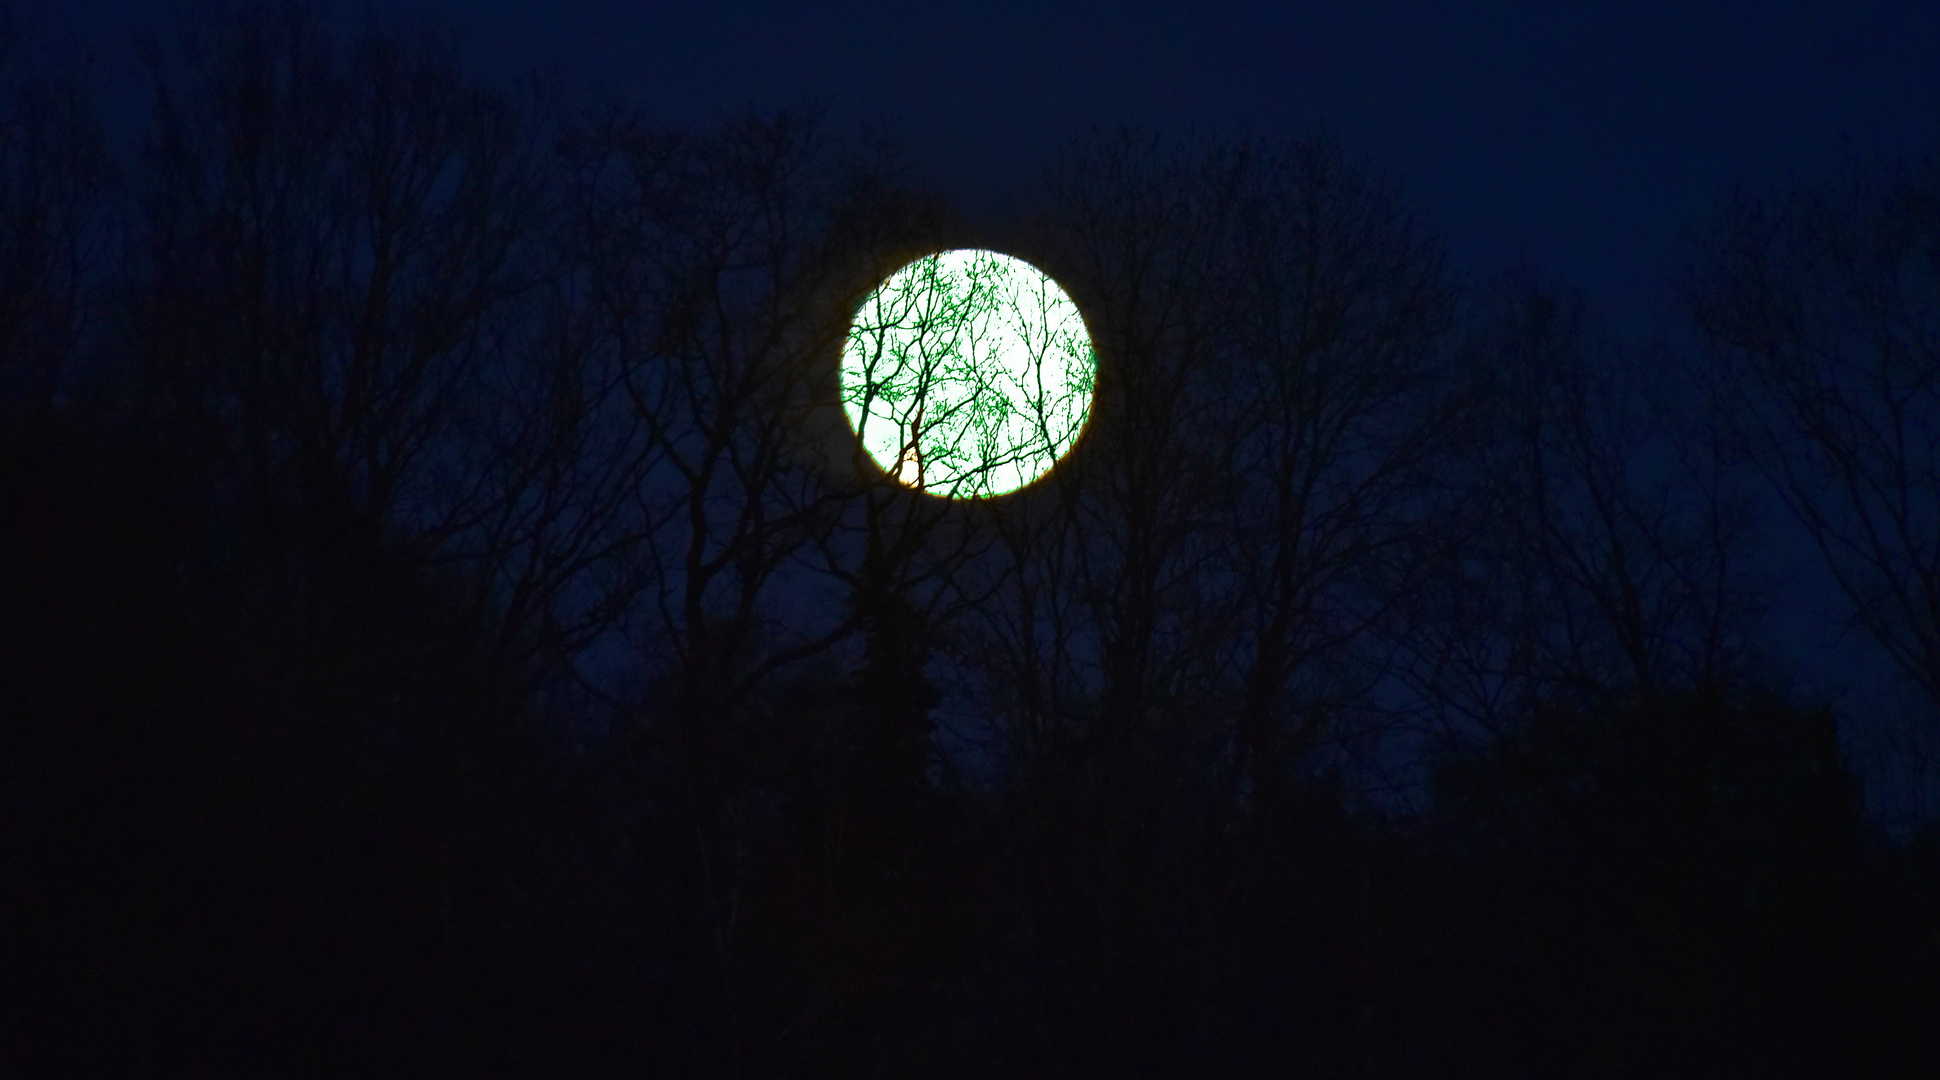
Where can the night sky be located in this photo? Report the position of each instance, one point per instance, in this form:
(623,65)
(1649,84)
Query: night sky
(1576,140)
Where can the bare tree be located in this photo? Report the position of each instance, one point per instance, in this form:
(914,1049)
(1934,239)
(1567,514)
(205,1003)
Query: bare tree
(1821,308)
(1824,310)
(1602,548)
(1349,415)
(1104,561)
(719,267)
(788,585)
(56,189)
(351,282)
(1248,504)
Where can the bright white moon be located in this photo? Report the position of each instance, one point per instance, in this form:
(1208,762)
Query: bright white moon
(968,374)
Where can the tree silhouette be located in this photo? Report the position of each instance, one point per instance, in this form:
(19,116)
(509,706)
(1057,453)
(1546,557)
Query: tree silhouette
(1686,845)
(449,623)
(1823,309)
(1603,551)
(56,188)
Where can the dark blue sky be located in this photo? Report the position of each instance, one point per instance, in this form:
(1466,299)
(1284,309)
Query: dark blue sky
(1577,136)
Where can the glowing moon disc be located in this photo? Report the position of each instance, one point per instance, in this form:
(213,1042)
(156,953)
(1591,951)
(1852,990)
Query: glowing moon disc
(968,374)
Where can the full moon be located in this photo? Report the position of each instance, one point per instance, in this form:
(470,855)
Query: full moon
(968,374)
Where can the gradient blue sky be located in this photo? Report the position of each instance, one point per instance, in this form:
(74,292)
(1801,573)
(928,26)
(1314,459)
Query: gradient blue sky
(1576,137)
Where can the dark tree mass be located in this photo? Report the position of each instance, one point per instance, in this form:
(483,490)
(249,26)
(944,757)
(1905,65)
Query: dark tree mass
(448,628)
